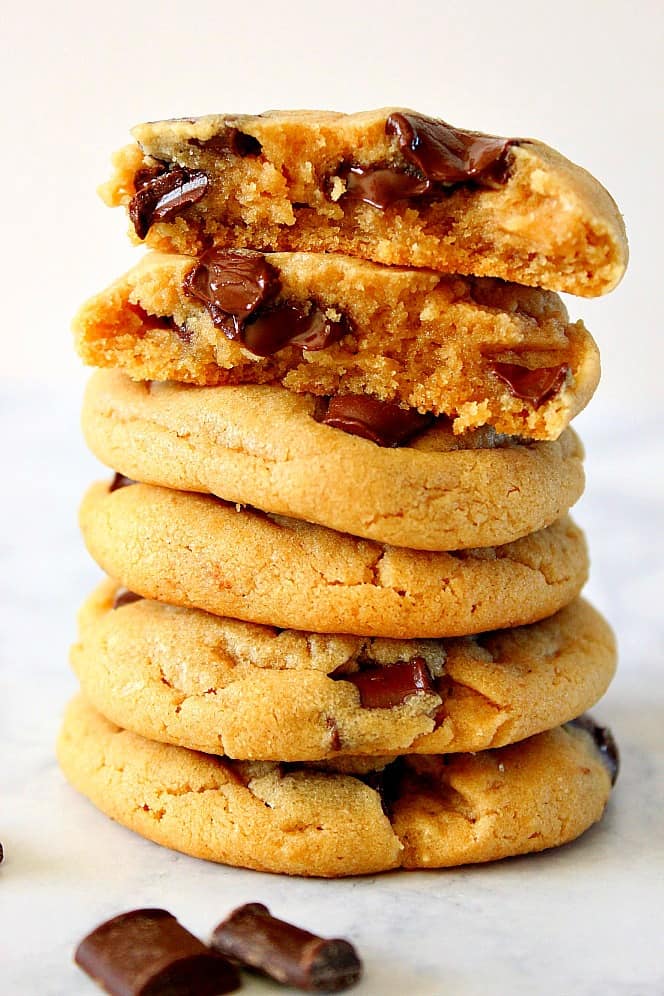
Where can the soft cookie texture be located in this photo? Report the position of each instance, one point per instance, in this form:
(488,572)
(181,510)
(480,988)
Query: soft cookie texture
(260,445)
(303,820)
(200,552)
(217,685)
(292,180)
(467,348)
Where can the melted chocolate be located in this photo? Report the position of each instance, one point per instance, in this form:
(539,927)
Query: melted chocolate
(238,289)
(232,140)
(125,597)
(448,155)
(162,195)
(120,481)
(252,937)
(382,422)
(437,157)
(532,385)
(389,686)
(148,953)
(604,741)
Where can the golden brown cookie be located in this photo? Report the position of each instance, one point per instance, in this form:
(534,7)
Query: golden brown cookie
(260,445)
(200,552)
(424,812)
(186,677)
(389,185)
(479,351)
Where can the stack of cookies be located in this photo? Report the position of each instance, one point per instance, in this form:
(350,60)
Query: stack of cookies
(342,630)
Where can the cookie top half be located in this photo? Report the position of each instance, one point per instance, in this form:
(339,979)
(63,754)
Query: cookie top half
(390,185)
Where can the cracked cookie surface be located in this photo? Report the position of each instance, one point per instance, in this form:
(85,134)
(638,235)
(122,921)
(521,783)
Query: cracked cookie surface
(186,677)
(260,445)
(201,552)
(313,820)
(284,185)
(412,337)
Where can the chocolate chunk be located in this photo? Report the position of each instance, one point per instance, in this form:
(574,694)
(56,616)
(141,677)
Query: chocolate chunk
(335,738)
(532,385)
(120,481)
(605,742)
(231,140)
(388,686)
(291,325)
(380,187)
(125,597)
(162,196)
(148,953)
(232,285)
(288,954)
(238,288)
(449,155)
(382,422)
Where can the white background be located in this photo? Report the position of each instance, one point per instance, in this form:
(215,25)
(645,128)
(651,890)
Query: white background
(583,76)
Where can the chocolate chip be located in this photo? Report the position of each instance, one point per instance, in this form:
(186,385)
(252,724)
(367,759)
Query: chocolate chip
(532,385)
(120,481)
(389,686)
(238,288)
(232,285)
(162,196)
(448,155)
(380,187)
(335,738)
(386,782)
(288,954)
(148,953)
(125,597)
(382,422)
(230,140)
(604,741)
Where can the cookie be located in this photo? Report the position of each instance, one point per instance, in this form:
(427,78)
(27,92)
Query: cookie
(261,445)
(476,350)
(390,185)
(185,677)
(197,551)
(432,812)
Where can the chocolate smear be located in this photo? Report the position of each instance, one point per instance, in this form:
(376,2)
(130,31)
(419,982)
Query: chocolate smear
(125,597)
(448,155)
(389,686)
(382,422)
(532,385)
(604,741)
(148,953)
(252,937)
(162,196)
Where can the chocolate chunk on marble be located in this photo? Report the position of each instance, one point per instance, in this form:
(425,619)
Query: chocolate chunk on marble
(382,422)
(254,938)
(605,742)
(147,952)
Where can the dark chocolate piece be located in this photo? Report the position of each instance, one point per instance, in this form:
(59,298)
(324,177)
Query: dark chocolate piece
(605,742)
(125,597)
(288,954)
(148,953)
(532,385)
(160,197)
(120,481)
(238,288)
(232,285)
(388,686)
(448,155)
(382,422)
(380,186)
(231,140)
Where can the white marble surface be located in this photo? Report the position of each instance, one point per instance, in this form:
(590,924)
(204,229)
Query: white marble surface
(580,921)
